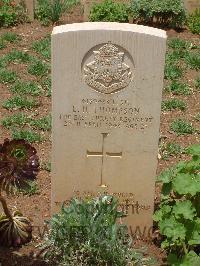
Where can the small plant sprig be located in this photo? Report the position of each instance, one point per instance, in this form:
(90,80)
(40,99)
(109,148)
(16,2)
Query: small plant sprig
(178,216)
(19,164)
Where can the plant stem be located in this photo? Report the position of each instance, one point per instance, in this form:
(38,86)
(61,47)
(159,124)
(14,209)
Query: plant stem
(185,249)
(5,208)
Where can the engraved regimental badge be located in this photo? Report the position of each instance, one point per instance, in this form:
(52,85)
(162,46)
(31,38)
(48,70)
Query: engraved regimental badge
(107,73)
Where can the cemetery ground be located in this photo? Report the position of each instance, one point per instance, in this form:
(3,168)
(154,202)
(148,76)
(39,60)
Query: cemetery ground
(25,112)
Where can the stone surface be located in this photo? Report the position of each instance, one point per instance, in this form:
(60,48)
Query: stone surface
(107,86)
(191,5)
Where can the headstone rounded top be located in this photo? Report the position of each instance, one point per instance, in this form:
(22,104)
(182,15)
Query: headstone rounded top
(109,26)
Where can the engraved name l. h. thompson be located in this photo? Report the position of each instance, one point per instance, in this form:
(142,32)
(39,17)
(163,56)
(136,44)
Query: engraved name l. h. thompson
(107,73)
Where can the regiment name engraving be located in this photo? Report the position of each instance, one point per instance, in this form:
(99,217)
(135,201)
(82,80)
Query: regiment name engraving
(94,113)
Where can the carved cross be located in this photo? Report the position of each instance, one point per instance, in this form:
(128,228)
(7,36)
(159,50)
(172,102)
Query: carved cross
(103,154)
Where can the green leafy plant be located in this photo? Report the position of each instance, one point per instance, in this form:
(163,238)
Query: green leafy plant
(178,216)
(173,104)
(11,13)
(27,135)
(2,44)
(38,68)
(48,11)
(23,88)
(30,189)
(181,127)
(7,76)
(19,102)
(18,164)
(46,166)
(178,88)
(87,233)
(43,47)
(193,22)
(109,10)
(46,84)
(177,43)
(162,12)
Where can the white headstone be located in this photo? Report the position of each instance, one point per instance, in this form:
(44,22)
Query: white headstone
(107,87)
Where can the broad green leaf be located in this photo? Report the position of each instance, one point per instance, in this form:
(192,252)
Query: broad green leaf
(166,176)
(194,234)
(184,209)
(172,229)
(194,150)
(162,212)
(166,189)
(191,259)
(186,184)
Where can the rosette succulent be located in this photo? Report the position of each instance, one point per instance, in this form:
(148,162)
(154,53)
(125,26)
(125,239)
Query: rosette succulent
(19,163)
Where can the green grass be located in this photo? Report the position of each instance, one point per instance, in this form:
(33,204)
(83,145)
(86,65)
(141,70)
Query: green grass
(43,47)
(173,104)
(171,149)
(46,166)
(27,135)
(19,119)
(177,43)
(175,56)
(11,37)
(7,76)
(197,117)
(23,88)
(178,88)
(16,56)
(29,189)
(46,84)
(172,71)
(182,127)
(2,44)
(193,60)
(38,68)
(19,102)
(197,83)
(43,123)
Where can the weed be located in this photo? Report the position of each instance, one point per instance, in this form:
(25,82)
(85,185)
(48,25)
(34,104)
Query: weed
(38,68)
(2,44)
(43,47)
(30,188)
(197,83)
(171,149)
(181,127)
(11,37)
(193,21)
(46,166)
(197,117)
(177,43)
(178,88)
(19,119)
(172,71)
(47,86)
(30,88)
(175,56)
(193,60)
(7,76)
(43,123)
(17,57)
(174,104)
(19,102)
(27,135)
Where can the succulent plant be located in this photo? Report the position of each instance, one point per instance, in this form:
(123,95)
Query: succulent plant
(18,163)
(15,229)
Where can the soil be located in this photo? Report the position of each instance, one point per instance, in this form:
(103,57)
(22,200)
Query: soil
(38,206)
